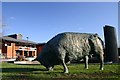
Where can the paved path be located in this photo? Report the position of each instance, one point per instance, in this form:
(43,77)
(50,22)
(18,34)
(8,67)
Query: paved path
(26,62)
(19,62)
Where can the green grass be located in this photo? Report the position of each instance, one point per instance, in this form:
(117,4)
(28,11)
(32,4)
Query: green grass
(76,71)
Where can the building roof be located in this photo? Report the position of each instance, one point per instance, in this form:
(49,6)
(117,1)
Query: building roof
(6,38)
(41,44)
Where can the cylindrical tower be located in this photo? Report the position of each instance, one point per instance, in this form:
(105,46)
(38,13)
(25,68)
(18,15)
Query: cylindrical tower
(111,48)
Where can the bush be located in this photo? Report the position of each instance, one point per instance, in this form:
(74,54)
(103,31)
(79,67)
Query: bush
(21,58)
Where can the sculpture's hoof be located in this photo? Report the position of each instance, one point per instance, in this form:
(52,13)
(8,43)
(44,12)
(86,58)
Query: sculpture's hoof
(50,69)
(101,69)
(86,68)
(66,72)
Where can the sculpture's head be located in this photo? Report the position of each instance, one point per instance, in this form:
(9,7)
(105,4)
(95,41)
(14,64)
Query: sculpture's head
(44,60)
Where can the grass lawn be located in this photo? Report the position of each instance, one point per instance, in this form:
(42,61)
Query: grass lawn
(76,71)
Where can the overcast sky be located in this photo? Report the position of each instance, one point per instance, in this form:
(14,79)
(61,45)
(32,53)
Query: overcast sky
(41,21)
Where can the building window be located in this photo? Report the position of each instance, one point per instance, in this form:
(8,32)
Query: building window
(18,52)
(26,53)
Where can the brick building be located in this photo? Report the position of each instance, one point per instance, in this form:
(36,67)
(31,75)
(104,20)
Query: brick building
(13,45)
(39,47)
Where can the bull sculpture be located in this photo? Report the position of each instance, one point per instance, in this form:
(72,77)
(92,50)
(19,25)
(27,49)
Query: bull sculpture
(69,46)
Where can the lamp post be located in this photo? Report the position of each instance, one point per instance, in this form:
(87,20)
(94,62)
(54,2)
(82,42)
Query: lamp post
(27,40)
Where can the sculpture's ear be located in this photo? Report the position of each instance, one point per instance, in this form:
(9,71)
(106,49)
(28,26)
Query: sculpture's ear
(95,35)
(91,36)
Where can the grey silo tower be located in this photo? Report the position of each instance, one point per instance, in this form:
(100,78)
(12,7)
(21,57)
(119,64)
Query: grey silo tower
(111,48)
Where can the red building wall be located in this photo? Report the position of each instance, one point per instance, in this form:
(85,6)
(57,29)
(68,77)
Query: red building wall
(13,50)
(39,48)
(9,52)
(4,50)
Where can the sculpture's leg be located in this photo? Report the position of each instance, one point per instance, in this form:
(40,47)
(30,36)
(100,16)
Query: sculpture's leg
(101,61)
(86,62)
(65,67)
(50,68)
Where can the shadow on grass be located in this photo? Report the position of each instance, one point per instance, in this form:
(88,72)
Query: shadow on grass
(26,73)
(21,69)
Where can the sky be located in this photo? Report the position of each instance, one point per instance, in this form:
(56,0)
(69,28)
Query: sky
(40,21)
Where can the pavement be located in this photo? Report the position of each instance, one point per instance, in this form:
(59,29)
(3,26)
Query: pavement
(7,60)
(19,62)
(26,62)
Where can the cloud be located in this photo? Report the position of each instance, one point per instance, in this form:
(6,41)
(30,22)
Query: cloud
(12,18)
(80,28)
